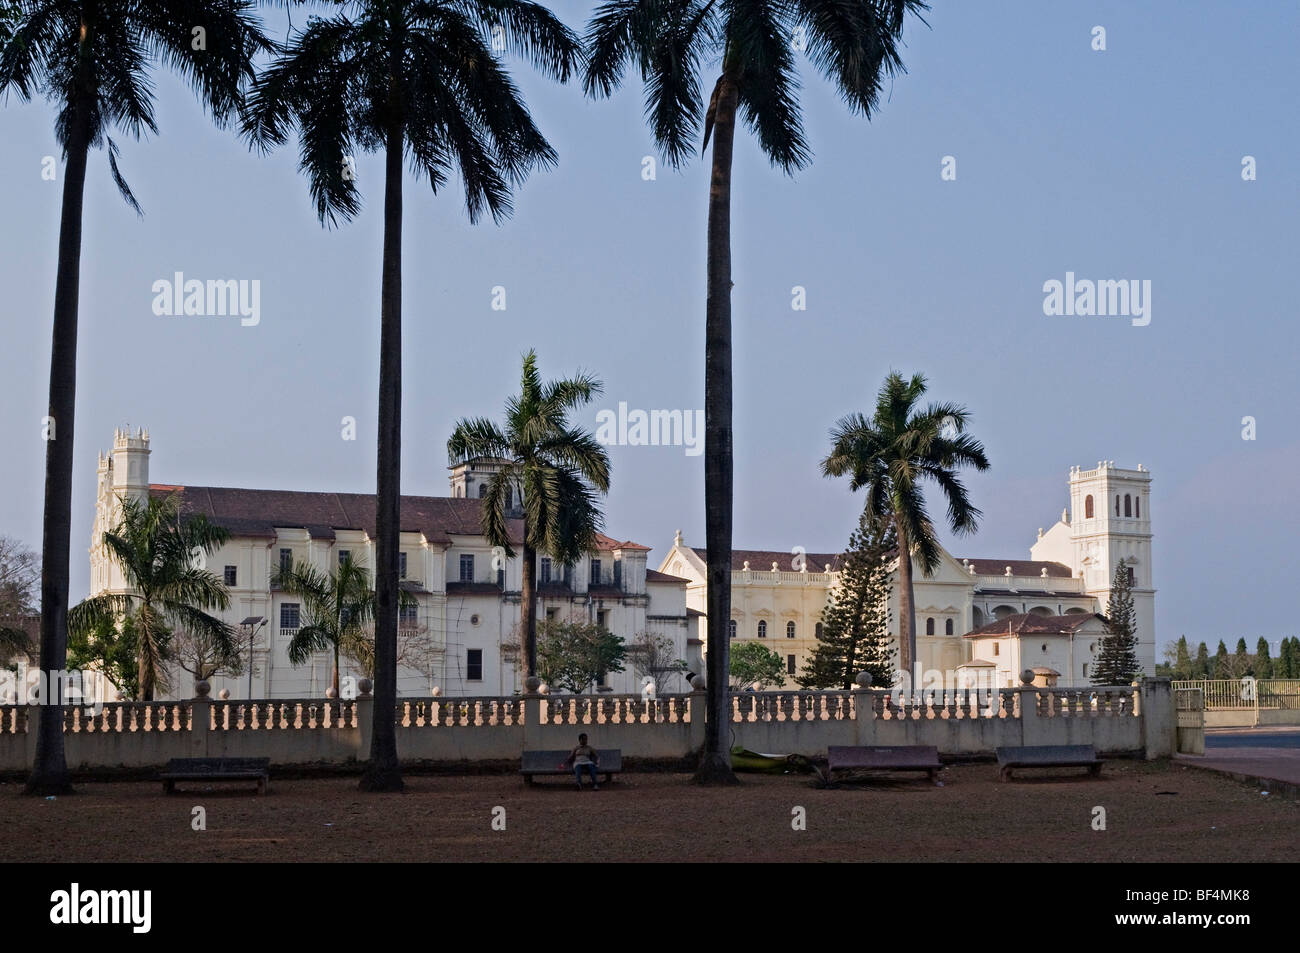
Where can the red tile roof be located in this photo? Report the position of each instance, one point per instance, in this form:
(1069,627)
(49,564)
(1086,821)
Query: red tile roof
(1032,624)
(760,560)
(654,575)
(248,512)
(1019,567)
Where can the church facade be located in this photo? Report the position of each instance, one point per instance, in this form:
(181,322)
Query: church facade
(777,595)
(460,634)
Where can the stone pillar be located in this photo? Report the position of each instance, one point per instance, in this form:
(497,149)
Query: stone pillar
(864,710)
(697,702)
(200,719)
(1027,701)
(365,718)
(532,704)
(1159,719)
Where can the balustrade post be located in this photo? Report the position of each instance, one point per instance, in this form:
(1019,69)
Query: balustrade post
(200,719)
(531,705)
(365,718)
(696,704)
(1027,702)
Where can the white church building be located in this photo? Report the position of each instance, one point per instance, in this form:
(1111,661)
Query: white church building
(976,618)
(461,636)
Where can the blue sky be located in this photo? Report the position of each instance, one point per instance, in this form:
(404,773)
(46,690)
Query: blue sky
(1117,164)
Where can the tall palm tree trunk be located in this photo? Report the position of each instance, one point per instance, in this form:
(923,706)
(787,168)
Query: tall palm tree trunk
(50,769)
(383,773)
(334,682)
(528,602)
(906,606)
(715,760)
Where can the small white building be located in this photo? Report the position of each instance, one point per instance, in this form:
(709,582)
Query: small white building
(461,636)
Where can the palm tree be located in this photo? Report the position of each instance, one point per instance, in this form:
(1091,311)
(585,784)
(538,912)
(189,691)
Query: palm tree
(162,559)
(556,467)
(890,455)
(418,78)
(857,46)
(92,60)
(336,608)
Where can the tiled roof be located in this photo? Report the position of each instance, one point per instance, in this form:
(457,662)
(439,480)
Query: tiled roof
(654,575)
(246,512)
(1019,567)
(760,560)
(1032,624)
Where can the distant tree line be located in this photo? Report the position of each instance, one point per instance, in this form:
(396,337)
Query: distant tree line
(1181,663)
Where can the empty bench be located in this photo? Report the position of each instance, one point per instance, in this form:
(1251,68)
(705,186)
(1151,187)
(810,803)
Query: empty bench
(551,763)
(1047,756)
(216,769)
(879,758)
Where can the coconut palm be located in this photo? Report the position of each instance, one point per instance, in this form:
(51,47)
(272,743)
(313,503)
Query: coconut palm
(857,46)
(558,469)
(890,455)
(336,608)
(92,59)
(162,556)
(417,79)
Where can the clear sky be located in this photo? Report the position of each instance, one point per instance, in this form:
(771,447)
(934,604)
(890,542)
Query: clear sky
(1122,164)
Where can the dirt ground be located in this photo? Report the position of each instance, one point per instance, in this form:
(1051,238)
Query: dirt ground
(1154,811)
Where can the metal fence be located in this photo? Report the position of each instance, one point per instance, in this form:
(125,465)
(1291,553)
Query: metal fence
(1245,694)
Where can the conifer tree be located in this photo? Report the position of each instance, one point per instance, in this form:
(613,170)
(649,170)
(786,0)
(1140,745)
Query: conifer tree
(1117,662)
(1221,662)
(1201,667)
(1241,664)
(1263,662)
(854,633)
(1182,660)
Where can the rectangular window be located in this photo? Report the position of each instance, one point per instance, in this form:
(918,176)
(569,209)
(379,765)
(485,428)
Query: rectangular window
(401,565)
(408,616)
(601,616)
(286,560)
(344,556)
(545,570)
(618,573)
(789,665)
(995,648)
(289,615)
(1085,669)
(551,615)
(474,665)
(595,573)
(232,575)
(466,567)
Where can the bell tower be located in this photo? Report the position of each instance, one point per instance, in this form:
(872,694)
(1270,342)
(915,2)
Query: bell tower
(1110,520)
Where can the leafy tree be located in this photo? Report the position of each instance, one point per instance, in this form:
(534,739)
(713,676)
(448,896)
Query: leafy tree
(754,664)
(1201,667)
(855,634)
(1222,665)
(1286,661)
(557,467)
(1117,662)
(857,46)
(1263,663)
(655,657)
(1182,660)
(161,557)
(418,80)
(891,455)
(111,646)
(93,62)
(574,655)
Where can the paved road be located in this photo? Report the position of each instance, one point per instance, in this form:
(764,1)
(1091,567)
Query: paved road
(1258,752)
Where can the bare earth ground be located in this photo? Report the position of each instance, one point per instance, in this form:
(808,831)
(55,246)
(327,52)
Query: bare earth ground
(1154,811)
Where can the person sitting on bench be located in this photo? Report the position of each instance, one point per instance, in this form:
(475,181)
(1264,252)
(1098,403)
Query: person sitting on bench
(583,758)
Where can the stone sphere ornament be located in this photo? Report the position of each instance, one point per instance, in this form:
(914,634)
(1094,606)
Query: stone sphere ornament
(202,687)
(531,684)
(698,683)
(1027,677)
(863,679)
(364,686)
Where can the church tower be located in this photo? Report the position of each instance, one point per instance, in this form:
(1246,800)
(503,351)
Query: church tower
(122,473)
(1110,520)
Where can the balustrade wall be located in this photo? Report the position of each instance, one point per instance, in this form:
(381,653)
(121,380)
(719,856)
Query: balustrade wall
(308,731)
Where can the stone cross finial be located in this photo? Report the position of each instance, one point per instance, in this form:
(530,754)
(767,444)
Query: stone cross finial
(677,540)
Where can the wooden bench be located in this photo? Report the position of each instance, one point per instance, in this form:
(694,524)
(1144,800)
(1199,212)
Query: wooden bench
(879,758)
(216,769)
(549,763)
(1048,756)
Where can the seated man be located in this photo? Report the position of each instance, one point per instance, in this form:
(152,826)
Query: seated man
(583,758)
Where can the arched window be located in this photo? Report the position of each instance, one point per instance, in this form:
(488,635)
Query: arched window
(482,490)
(762,628)
(1128,505)
(731,629)
(1087,507)
(1132,579)
(818,630)
(1137,507)
(789,630)
(947,627)
(929,626)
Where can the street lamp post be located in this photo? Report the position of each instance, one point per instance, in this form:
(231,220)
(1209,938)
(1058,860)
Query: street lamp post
(251,625)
